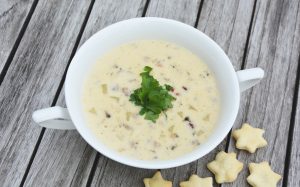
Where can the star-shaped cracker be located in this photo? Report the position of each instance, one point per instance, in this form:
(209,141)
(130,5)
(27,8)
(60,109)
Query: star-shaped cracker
(261,175)
(157,181)
(225,167)
(196,181)
(249,138)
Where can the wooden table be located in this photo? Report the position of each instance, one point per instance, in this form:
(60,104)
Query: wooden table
(38,39)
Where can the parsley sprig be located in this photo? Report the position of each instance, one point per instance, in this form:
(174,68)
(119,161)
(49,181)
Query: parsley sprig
(151,96)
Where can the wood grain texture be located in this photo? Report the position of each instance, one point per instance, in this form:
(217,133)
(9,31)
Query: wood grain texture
(12,17)
(294,167)
(274,45)
(105,13)
(31,81)
(63,157)
(180,10)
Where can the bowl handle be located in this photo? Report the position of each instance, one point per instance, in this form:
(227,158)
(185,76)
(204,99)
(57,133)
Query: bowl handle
(249,77)
(54,118)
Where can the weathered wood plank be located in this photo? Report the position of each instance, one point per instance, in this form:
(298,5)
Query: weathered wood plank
(62,151)
(31,81)
(185,11)
(274,45)
(227,22)
(180,10)
(12,17)
(105,13)
(111,173)
(294,167)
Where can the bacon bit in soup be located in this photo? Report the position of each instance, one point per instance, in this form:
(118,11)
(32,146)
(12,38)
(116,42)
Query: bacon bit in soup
(93,111)
(191,125)
(104,88)
(189,122)
(183,87)
(107,115)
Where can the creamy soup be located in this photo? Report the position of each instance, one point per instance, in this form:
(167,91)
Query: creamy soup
(116,121)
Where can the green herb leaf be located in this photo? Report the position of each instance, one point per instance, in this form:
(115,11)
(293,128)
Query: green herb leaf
(151,96)
(168,87)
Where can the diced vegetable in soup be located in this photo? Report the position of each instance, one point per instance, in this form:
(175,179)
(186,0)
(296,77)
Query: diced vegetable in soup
(141,120)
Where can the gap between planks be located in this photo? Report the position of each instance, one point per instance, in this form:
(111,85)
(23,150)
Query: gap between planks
(17,42)
(93,170)
(146,8)
(243,65)
(285,178)
(198,14)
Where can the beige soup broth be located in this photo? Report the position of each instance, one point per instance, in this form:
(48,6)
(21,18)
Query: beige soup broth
(116,121)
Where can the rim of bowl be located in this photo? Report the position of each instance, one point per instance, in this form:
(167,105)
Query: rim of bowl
(158,164)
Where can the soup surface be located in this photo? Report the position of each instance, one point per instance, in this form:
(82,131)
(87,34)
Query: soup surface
(116,121)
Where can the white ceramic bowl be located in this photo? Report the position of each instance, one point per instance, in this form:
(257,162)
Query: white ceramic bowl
(230,83)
